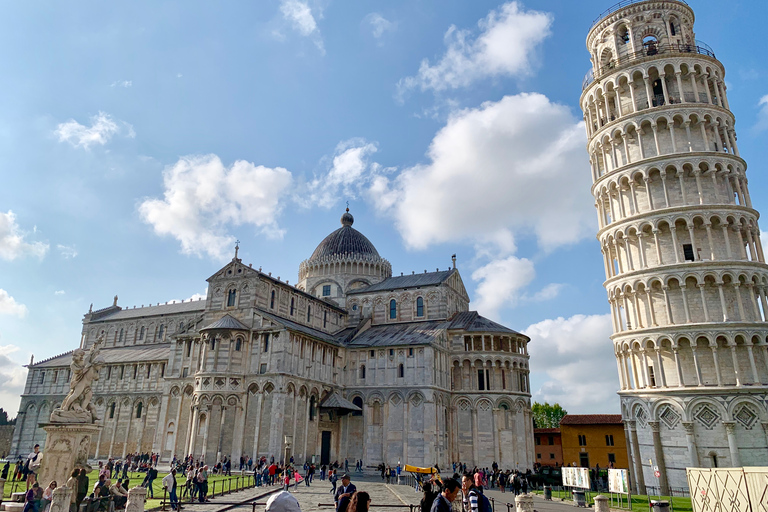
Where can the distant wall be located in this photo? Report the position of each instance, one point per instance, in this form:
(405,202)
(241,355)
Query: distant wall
(6,435)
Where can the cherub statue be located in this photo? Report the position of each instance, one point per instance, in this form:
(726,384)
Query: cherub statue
(77,407)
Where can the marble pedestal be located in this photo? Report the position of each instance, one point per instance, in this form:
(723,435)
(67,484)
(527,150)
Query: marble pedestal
(66,447)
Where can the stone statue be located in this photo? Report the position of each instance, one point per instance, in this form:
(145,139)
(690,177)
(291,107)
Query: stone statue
(77,407)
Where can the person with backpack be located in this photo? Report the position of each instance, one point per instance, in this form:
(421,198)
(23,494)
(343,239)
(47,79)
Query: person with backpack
(474,499)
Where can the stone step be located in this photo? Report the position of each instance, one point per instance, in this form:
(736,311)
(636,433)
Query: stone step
(10,506)
(18,497)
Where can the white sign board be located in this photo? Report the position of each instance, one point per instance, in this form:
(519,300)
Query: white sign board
(575,477)
(618,481)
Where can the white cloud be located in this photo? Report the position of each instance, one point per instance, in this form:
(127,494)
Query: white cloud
(516,166)
(103,128)
(9,306)
(762,114)
(122,83)
(576,354)
(501,282)
(300,15)
(59,292)
(13,378)
(203,199)
(508,39)
(66,251)
(379,24)
(350,169)
(12,240)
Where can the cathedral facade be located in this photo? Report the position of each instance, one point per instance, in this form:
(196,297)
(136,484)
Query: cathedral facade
(350,362)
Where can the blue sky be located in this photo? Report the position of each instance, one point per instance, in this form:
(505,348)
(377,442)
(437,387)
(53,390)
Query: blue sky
(138,141)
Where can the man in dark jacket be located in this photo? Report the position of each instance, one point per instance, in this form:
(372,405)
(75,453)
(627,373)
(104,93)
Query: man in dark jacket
(443,502)
(344,493)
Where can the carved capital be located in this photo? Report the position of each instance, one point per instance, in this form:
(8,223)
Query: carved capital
(688,426)
(654,426)
(730,427)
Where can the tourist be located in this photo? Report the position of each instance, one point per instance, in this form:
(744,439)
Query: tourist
(286,479)
(119,495)
(344,493)
(29,498)
(188,485)
(283,502)
(72,484)
(444,501)
(82,487)
(428,498)
(470,493)
(360,502)
(47,497)
(169,484)
(202,477)
(32,465)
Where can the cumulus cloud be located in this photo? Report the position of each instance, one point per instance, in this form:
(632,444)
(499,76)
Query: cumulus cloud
(504,46)
(13,377)
(379,24)
(9,306)
(66,251)
(576,354)
(350,169)
(762,114)
(103,127)
(299,14)
(13,243)
(122,83)
(514,166)
(203,198)
(59,292)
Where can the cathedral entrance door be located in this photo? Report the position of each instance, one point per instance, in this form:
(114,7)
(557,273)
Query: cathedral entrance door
(325,447)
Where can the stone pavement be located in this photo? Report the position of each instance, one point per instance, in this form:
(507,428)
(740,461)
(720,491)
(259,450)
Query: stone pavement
(381,494)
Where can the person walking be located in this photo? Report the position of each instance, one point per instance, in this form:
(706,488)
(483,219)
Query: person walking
(344,493)
(332,478)
(32,466)
(82,487)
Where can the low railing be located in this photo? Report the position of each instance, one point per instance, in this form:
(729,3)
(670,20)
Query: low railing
(647,51)
(619,5)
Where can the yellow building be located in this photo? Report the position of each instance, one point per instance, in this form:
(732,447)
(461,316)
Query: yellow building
(592,439)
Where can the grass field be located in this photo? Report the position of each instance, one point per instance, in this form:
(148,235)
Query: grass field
(216,485)
(639,502)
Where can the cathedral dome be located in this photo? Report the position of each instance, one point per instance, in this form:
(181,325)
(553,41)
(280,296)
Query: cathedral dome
(345,241)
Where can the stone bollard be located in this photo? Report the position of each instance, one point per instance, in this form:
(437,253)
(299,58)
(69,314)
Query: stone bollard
(62,498)
(136,498)
(601,504)
(524,503)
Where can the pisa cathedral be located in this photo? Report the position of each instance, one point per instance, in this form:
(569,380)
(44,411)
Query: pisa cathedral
(685,270)
(350,362)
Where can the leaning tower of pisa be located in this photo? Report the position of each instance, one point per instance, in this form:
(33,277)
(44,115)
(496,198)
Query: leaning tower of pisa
(685,272)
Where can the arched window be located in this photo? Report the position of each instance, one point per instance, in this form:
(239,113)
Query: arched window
(138,409)
(325,319)
(272,300)
(362,371)
(231,297)
(401,371)
(292,304)
(112,410)
(213,344)
(358,402)
(420,306)
(393,309)
(141,333)
(312,406)
(120,339)
(505,414)
(309,313)
(713,456)
(266,342)
(161,332)
(181,326)
(672,28)
(238,344)
(376,413)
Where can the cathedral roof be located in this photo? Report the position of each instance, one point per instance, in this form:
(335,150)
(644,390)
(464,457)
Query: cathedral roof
(408,333)
(227,322)
(345,241)
(336,401)
(407,281)
(471,321)
(160,309)
(115,355)
(295,326)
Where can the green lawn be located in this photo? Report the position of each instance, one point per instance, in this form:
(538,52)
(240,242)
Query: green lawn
(216,485)
(639,502)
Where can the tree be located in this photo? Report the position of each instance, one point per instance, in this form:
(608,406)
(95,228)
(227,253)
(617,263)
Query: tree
(546,415)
